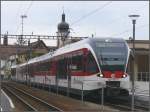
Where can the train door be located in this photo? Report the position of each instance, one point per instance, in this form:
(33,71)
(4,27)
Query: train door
(55,71)
(69,62)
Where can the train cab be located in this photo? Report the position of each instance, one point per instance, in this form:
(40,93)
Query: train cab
(112,57)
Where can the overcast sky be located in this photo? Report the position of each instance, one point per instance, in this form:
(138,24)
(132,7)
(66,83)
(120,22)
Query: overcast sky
(101,18)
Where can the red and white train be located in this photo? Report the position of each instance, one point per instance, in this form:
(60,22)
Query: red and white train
(85,65)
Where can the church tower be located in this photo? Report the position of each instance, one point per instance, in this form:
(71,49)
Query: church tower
(63,31)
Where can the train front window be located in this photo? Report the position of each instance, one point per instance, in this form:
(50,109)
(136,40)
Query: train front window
(111,55)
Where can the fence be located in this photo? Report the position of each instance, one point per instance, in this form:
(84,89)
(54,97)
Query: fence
(143,76)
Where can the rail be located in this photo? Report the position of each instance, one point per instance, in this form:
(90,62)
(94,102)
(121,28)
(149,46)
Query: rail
(51,107)
(82,84)
(30,107)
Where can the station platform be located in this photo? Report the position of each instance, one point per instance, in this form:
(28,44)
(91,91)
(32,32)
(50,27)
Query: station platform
(63,102)
(141,90)
(141,93)
(6,104)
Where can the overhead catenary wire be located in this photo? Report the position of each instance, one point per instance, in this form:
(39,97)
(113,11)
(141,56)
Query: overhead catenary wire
(139,8)
(125,17)
(21,9)
(17,15)
(128,30)
(29,7)
(90,13)
(111,22)
(25,13)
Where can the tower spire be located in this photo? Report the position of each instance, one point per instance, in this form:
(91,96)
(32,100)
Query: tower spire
(63,15)
(63,9)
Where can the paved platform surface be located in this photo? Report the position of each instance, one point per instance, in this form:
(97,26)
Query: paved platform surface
(141,90)
(6,104)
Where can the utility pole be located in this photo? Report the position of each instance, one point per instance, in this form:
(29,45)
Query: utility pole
(29,57)
(21,42)
(29,50)
(133,17)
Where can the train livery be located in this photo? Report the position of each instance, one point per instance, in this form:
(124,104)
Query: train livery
(87,65)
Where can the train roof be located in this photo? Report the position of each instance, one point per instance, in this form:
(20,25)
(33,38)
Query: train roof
(69,48)
(108,39)
(82,43)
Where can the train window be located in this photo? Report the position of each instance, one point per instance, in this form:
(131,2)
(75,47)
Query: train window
(62,69)
(44,66)
(112,56)
(91,64)
(77,64)
(34,67)
(110,44)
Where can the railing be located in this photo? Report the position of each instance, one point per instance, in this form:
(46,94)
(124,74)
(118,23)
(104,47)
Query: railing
(143,76)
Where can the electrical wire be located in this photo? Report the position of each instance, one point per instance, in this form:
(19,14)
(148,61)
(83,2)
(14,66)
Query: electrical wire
(25,13)
(29,7)
(125,17)
(128,30)
(92,12)
(111,22)
(17,15)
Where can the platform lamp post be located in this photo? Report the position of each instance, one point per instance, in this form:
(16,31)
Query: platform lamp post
(133,17)
(29,56)
(21,38)
(149,73)
(0,76)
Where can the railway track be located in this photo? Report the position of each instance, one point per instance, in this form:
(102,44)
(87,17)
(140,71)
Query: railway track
(23,105)
(31,102)
(122,104)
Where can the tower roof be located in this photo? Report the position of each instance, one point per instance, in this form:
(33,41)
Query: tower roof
(63,26)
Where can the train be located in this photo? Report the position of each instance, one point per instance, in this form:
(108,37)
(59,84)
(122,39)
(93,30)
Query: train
(87,65)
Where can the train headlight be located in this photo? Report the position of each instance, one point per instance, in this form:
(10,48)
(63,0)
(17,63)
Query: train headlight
(101,75)
(124,76)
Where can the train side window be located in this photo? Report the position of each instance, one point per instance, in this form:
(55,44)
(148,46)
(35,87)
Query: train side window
(62,68)
(91,64)
(77,64)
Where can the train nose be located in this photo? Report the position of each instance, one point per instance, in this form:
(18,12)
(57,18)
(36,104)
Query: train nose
(112,75)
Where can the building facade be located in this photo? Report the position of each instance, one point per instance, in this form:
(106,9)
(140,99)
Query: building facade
(141,66)
(16,54)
